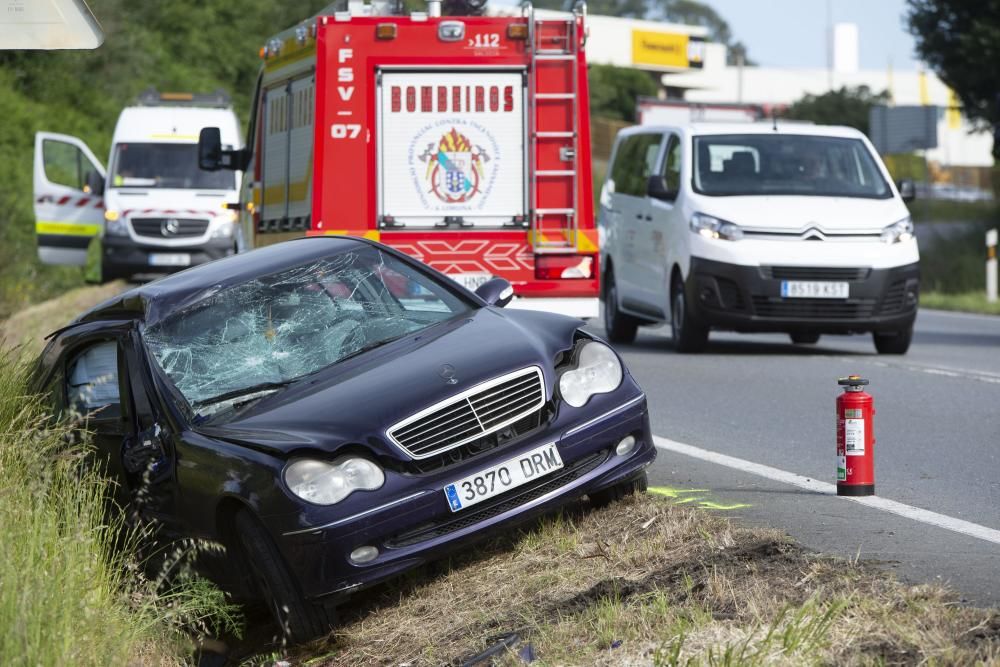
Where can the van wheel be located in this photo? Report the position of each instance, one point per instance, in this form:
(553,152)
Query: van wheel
(620,328)
(616,492)
(893,342)
(299,619)
(804,337)
(689,334)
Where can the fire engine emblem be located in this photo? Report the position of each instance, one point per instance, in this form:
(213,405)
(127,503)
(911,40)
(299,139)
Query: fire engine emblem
(455,167)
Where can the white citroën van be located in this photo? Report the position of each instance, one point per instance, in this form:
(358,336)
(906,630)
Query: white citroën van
(154,210)
(756,227)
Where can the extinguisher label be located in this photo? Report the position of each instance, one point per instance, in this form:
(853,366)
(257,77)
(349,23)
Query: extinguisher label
(854,436)
(852,413)
(841,468)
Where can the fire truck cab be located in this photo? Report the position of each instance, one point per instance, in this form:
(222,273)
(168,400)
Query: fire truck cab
(462,141)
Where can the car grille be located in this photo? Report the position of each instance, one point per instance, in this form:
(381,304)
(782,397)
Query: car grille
(482,410)
(500,504)
(816,309)
(155,227)
(814,273)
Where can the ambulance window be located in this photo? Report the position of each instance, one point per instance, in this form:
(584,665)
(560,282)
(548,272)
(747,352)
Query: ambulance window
(65,164)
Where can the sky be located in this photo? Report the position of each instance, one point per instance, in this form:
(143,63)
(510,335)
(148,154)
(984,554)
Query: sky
(792,33)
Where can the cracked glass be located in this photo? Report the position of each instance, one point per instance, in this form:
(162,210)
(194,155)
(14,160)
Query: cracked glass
(247,340)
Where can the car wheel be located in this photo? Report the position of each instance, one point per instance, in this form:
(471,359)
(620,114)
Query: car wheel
(616,492)
(619,327)
(804,337)
(299,619)
(894,342)
(688,334)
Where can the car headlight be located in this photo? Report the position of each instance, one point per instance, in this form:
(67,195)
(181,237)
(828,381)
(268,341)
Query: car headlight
(326,483)
(597,371)
(898,232)
(115,226)
(714,228)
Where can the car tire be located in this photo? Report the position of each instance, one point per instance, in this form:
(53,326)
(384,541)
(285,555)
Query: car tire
(894,342)
(619,327)
(616,492)
(804,337)
(299,619)
(689,335)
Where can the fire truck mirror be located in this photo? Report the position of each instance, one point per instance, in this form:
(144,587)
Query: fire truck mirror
(495,292)
(210,149)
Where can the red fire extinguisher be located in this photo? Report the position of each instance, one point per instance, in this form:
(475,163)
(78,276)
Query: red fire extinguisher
(855,440)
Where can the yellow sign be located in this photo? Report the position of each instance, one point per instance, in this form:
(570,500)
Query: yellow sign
(665,49)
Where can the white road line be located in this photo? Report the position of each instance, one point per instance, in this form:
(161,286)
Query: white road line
(785,477)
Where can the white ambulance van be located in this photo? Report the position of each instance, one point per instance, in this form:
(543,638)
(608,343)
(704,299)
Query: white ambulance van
(790,228)
(153,210)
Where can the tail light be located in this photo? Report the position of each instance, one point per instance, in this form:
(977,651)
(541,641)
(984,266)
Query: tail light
(565,267)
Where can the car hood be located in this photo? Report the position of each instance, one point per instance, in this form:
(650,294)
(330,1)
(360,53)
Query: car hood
(796,213)
(354,402)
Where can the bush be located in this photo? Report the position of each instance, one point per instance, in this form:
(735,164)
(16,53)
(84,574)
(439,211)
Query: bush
(66,596)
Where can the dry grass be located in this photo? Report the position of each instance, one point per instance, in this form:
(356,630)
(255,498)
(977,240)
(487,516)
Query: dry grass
(647,582)
(30,326)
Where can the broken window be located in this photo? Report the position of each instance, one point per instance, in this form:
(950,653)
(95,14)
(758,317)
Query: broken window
(248,339)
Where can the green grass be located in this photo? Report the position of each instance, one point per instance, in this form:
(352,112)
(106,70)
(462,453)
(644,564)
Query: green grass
(970,302)
(66,596)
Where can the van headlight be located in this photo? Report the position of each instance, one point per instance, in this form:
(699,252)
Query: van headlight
(898,232)
(711,227)
(114,225)
(597,371)
(326,483)
(222,228)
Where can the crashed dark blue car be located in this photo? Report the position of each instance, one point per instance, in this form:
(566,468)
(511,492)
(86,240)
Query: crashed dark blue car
(335,413)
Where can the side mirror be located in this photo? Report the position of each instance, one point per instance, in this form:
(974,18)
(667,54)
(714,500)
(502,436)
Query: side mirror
(210,149)
(496,292)
(907,191)
(656,187)
(95,183)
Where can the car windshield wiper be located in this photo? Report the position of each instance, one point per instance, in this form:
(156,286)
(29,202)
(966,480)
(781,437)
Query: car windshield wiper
(236,393)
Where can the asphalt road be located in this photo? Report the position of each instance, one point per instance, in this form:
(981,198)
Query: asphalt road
(763,400)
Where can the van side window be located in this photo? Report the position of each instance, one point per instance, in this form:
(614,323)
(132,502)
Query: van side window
(672,165)
(92,381)
(634,162)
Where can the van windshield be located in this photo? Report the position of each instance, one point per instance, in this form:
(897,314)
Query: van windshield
(786,164)
(159,165)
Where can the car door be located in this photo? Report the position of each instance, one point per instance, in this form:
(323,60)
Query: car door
(69,198)
(663,225)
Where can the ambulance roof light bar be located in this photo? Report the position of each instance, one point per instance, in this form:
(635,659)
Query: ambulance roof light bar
(217,99)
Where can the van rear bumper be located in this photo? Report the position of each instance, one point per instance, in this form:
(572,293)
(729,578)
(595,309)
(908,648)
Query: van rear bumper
(748,298)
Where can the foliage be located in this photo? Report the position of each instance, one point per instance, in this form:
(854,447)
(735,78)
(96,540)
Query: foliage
(67,597)
(614,90)
(179,45)
(969,302)
(953,261)
(847,106)
(959,39)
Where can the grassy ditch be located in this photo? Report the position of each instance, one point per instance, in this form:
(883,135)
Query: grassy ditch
(649,582)
(969,302)
(67,597)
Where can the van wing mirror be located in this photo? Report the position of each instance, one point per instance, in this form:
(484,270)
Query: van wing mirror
(656,187)
(95,183)
(211,155)
(907,190)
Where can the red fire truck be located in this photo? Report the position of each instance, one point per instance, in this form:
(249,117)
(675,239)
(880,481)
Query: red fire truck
(463,141)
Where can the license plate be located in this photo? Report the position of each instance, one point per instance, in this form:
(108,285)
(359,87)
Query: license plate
(169,259)
(502,477)
(802,289)
(470,281)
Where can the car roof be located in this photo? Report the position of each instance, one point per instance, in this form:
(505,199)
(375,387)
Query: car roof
(155,300)
(760,127)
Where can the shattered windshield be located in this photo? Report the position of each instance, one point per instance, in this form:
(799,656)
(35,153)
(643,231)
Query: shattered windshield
(250,339)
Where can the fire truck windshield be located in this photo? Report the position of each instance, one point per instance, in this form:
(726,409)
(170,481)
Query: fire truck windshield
(162,165)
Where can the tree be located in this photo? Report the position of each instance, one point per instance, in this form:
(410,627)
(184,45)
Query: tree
(960,41)
(614,90)
(847,106)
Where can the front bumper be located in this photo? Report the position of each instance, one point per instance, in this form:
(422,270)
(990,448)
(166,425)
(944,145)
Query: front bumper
(417,526)
(122,256)
(748,298)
